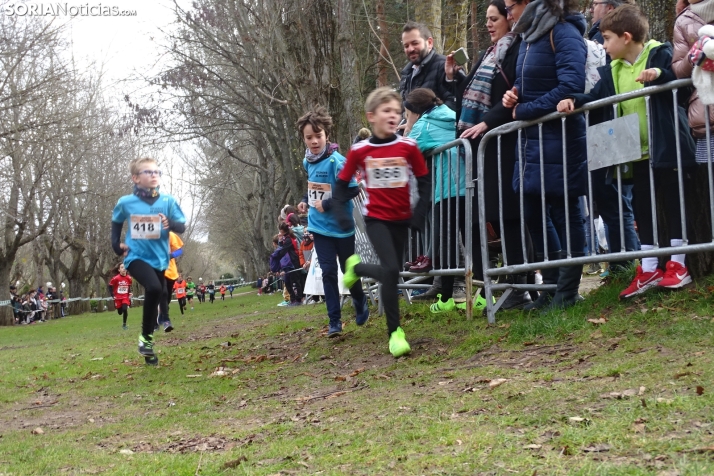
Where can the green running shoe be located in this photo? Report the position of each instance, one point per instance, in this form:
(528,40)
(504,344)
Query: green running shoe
(349,278)
(439,306)
(398,345)
(479,303)
(146,346)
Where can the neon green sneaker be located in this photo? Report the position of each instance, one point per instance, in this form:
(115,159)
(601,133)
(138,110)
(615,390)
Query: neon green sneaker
(398,345)
(479,303)
(349,278)
(439,306)
(146,346)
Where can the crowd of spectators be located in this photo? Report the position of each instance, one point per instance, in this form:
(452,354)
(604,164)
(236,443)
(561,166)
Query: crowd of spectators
(37,305)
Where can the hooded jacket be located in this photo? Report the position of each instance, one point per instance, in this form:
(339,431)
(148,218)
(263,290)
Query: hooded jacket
(663,150)
(545,74)
(434,128)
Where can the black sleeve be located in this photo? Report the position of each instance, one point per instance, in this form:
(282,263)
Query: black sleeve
(422,206)
(341,196)
(177,227)
(116,237)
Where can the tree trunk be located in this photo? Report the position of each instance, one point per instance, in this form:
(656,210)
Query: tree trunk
(454,24)
(473,22)
(350,79)
(428,12)
(383,67)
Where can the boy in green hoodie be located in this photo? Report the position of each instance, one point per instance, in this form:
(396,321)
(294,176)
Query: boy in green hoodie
(637,63)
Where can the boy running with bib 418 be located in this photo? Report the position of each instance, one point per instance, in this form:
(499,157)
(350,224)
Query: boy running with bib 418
(151,216)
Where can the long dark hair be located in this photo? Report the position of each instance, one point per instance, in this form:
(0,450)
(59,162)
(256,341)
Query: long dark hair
(501,6)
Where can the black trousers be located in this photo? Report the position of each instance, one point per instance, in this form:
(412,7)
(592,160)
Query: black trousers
(642,201)
(122,311)
(388,240)
(164,305)
(446,240)
(154,284)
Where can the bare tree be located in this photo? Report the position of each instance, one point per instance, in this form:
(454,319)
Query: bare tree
(35,109)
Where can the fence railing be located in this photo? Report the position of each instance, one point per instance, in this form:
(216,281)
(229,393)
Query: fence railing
(624,143)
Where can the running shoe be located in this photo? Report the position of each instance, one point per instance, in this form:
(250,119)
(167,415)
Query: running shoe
(479,303)
(146,346)
(642,282)
(167,326)
(398,345)
(361,310)
(676,276)
(350,278)
(284,303)
(124,327)
(439,306)
(335,329)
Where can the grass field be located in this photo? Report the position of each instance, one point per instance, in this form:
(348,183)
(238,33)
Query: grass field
(245,387)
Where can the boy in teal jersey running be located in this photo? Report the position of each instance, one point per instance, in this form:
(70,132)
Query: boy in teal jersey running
(151,216)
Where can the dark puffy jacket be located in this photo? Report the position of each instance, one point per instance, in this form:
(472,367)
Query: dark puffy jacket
(595,34)
(431,75)
(664,145)
(543,78)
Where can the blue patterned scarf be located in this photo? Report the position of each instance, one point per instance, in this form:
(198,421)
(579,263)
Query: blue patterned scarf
(477,96)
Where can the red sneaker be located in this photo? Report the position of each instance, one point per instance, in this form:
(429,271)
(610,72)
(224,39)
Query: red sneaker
(409,264)
(676,276)
(642,282)
(423,266)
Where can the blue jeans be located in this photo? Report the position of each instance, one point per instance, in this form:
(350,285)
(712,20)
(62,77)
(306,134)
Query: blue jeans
(329,250)
(607,197)
(555,220)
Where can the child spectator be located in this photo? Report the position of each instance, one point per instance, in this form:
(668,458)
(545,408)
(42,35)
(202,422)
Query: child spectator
(637,63)
(323,163)
(120,289)
(287,262)
(386,160)
(151,216)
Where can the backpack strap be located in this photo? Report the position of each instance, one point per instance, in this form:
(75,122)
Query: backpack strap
(552,43)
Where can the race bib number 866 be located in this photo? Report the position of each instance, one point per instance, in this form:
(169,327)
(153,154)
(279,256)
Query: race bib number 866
(387,173)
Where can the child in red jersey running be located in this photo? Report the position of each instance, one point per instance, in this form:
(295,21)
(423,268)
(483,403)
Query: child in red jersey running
(386,161)
(120,287)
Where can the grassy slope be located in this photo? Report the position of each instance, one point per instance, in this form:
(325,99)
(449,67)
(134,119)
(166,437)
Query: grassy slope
(294,401)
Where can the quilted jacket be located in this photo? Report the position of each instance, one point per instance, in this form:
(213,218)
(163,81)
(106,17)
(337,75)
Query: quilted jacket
(546,73)
(686,27)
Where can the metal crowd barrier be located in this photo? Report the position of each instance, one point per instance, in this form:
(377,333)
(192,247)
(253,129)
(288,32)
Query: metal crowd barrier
(456,157)
(491,271)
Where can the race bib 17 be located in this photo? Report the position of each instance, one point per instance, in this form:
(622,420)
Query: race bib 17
(387,173)
(145,227)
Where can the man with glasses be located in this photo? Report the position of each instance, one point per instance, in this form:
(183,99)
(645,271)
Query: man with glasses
(598,10)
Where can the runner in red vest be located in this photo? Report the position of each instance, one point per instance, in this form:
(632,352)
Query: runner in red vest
(120,286)
(180,290)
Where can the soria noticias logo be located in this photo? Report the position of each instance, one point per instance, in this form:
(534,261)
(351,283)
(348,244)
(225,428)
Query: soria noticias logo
(23,9)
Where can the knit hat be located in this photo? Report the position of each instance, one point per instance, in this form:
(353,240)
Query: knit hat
(703,8)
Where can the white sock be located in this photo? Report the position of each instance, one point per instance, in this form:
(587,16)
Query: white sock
(678,258)
(649,264)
